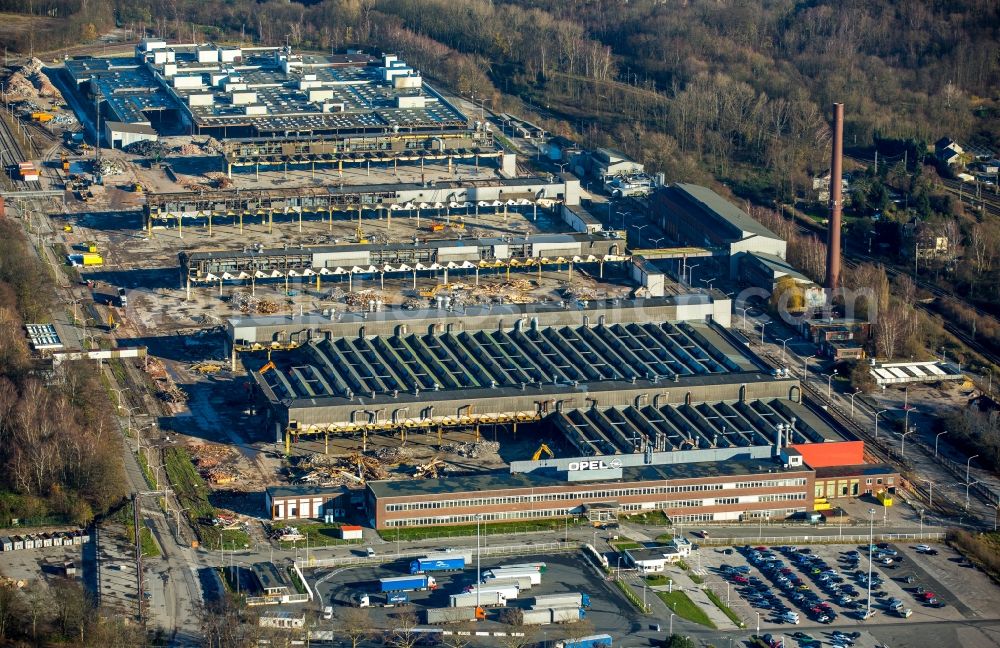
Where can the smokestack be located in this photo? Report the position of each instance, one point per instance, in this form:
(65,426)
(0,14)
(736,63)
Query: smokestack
(836,200)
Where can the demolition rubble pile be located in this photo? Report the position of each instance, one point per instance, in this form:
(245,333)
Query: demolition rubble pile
(246,303)
(216,463)
(30,82)
(364,300)
(472,450)
(354,468)
(166,390)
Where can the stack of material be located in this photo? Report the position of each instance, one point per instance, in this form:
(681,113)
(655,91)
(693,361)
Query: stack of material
(430,469)
(111,166)
(391,456)
(188,149)
(247,303)
(363,299)
(219,180)
(472,450)
(515,291)
(31,82)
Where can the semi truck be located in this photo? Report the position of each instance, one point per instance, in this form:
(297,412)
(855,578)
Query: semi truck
(537,566)
(509,591)
(534,575)
(433,564)
(406,583)
(570,598)
(485,599)
(455,614)
(391,599)
(593,641)
(523,583)
(545,616)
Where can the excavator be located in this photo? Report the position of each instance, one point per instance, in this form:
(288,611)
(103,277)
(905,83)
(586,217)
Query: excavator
(543,449)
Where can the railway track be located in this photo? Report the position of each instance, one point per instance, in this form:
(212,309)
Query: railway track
(15,155)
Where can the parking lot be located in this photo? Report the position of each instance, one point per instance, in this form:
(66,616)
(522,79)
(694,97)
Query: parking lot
(571,572)
(825,585)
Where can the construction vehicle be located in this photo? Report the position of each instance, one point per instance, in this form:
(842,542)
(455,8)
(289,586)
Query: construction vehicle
(41,117)
(543,449)
(65,164)
(360,234)
(137,188)
(270,365)
(436,227)
(68,228)
(91,247)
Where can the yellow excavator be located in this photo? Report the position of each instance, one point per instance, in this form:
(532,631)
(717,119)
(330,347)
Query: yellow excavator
(543,449)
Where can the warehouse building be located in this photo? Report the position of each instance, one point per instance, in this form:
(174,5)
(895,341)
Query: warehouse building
(698,216)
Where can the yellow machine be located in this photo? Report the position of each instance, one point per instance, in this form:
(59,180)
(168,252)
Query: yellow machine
(265,368)
(543,449)
(885,497)
(67,228)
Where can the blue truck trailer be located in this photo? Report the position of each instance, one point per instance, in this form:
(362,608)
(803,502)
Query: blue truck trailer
(406,583)
(593,641)
(437,564)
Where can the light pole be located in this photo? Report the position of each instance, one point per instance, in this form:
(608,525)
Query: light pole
(783,343)
(708,282)
(856,392)
(921,511)
(762,325)
(967,486)
(758,622)
(871,538)
(968,466)
(877,412)
(805,367)
(906,416)
(902,440)
(691,272)
(672,615)
(638,241)
(930,486)
(829,385)
(744,316)
(479,575)
(936,437)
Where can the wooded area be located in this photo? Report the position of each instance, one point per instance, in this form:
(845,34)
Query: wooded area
(59,441)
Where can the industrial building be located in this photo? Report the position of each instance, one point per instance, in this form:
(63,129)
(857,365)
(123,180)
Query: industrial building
(273,107)
(696,215)
(766,270)
(458,257)
(442,202)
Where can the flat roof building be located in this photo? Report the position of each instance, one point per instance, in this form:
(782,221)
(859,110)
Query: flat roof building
(695,215)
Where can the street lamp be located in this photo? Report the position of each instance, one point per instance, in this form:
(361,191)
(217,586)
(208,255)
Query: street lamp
(871,539)
(921,511)
(672,615)
(906,416)
(708,282)
(691,272)
(762,325)
(930,497)
(744,316)
(638,241)
(967,486)
(805,367)
(968,466)
(936,437)
(876,421)
(856,392)
(902,440)
(829,385)
(783,343)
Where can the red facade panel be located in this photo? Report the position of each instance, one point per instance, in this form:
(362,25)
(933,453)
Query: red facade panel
(835,453)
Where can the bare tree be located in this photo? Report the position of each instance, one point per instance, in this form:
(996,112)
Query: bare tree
(519,637)
(355,624)
(404,634)
(10,607)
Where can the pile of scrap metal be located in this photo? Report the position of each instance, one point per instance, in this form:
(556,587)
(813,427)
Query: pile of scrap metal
(472,450)
(330,471)
(430,469)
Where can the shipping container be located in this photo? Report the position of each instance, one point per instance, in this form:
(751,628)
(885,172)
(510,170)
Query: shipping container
(454,614)
(91,259)
(407,583)
(351,532)
(593,641)
(485,599)
(436,564)
(571,598)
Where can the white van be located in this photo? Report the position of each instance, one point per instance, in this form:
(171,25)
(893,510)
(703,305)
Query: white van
(370,552)
(790,617)
(328,612)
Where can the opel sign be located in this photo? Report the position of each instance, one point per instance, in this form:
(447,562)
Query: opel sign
(593,464)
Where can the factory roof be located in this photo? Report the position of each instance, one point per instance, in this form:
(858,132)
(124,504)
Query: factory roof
(715,204)
(434,366)
(856,470)
(268,575)
(680,426)
(502,480)
(779,266)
